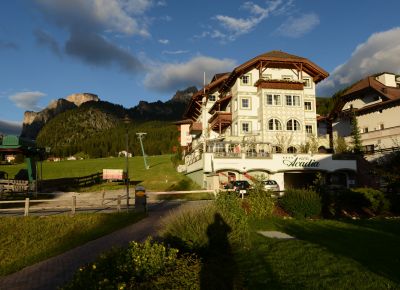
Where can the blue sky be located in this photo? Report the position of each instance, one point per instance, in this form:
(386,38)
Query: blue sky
(130,50)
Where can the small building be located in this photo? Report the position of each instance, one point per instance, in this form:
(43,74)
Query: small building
(260,120)
(123,153)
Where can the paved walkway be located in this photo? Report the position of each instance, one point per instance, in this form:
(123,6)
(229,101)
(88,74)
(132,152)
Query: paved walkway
(54,272)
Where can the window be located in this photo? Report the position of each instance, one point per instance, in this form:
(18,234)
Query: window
(289,101)
(381,127)
(245,127)
(291,149)
(245,103)
(269,99)
(211,98)
(292,100)
(293,125)
(307,106)
(307,83)
(274,125)
(364,130)
(309,129)
(245,80)
(277,100)
(296,100)
(273,100)
(287,78)
(276,149)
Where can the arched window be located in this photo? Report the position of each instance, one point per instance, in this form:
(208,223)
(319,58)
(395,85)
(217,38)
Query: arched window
(274,124)
(293,125)
(276,149)
(291,149)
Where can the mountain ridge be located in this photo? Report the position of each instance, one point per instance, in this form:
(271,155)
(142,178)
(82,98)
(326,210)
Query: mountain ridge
(170,110)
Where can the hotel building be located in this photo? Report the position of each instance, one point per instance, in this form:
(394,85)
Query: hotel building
(259,120)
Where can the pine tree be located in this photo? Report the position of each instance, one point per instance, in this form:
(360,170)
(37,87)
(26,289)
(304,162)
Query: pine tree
(356,135)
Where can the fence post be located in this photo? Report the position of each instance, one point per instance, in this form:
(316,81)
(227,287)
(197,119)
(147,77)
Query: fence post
(104,194)
(26,212)
(73,207)
(119,203)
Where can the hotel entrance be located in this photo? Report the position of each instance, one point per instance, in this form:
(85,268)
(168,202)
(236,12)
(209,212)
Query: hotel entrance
(299,179)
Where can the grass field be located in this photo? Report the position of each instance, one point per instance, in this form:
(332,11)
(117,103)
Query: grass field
(161,176)
(25,241)
(326,255)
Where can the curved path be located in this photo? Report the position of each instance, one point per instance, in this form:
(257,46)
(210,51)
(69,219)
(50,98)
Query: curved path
(55,271)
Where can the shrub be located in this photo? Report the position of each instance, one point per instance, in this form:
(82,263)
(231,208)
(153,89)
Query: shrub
(355,201)
(374,199)
(186,228)
(141,266)
(301,203)
(261,203)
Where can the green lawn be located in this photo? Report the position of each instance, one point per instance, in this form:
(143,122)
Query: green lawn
(326,255)
(160,177)
(25,241)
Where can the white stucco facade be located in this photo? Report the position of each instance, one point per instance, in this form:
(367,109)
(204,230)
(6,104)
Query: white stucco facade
(260,120)
(376,105)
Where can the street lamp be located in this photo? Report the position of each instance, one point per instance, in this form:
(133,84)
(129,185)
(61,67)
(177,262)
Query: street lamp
(127,121)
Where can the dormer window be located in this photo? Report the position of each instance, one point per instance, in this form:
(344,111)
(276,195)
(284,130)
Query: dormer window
(211,98)
(245,80)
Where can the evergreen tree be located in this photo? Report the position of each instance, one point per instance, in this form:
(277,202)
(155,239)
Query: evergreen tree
(356,135)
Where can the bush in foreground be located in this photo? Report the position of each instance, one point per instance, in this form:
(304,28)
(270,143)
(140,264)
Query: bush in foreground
(301,203)
(147,265)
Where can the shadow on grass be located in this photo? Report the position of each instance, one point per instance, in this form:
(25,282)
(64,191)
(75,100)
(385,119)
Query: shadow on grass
(374,244)
(219,267)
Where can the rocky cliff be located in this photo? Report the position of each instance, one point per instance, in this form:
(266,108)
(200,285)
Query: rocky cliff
(34,121)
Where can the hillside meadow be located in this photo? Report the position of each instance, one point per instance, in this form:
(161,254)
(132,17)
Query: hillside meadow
(161,176)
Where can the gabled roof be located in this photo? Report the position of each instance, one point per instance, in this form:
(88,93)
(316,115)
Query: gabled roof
(275,59)
(390,95)
(278,59)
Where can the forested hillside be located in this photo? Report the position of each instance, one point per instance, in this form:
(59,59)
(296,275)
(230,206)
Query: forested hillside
(97,130)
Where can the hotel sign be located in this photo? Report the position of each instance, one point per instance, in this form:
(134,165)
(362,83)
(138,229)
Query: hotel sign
(303,161)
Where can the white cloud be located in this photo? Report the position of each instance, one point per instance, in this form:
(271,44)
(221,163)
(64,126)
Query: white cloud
(380,53)
(175,51)
(297,27)
(170,76)
(163,41)
(236,26)
(27,100)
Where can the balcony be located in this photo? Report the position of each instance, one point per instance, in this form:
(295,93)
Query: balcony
(220,120)
(279,84)
(195,128)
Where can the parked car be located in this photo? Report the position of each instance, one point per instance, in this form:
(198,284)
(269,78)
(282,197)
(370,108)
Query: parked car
(240,186)
(271,185)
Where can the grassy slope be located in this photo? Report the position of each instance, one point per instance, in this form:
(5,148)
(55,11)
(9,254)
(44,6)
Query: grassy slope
(25,241)
(160,176)
(327,255)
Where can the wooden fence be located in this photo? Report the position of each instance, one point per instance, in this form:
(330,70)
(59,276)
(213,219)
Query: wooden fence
(74,203)
(70,182)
